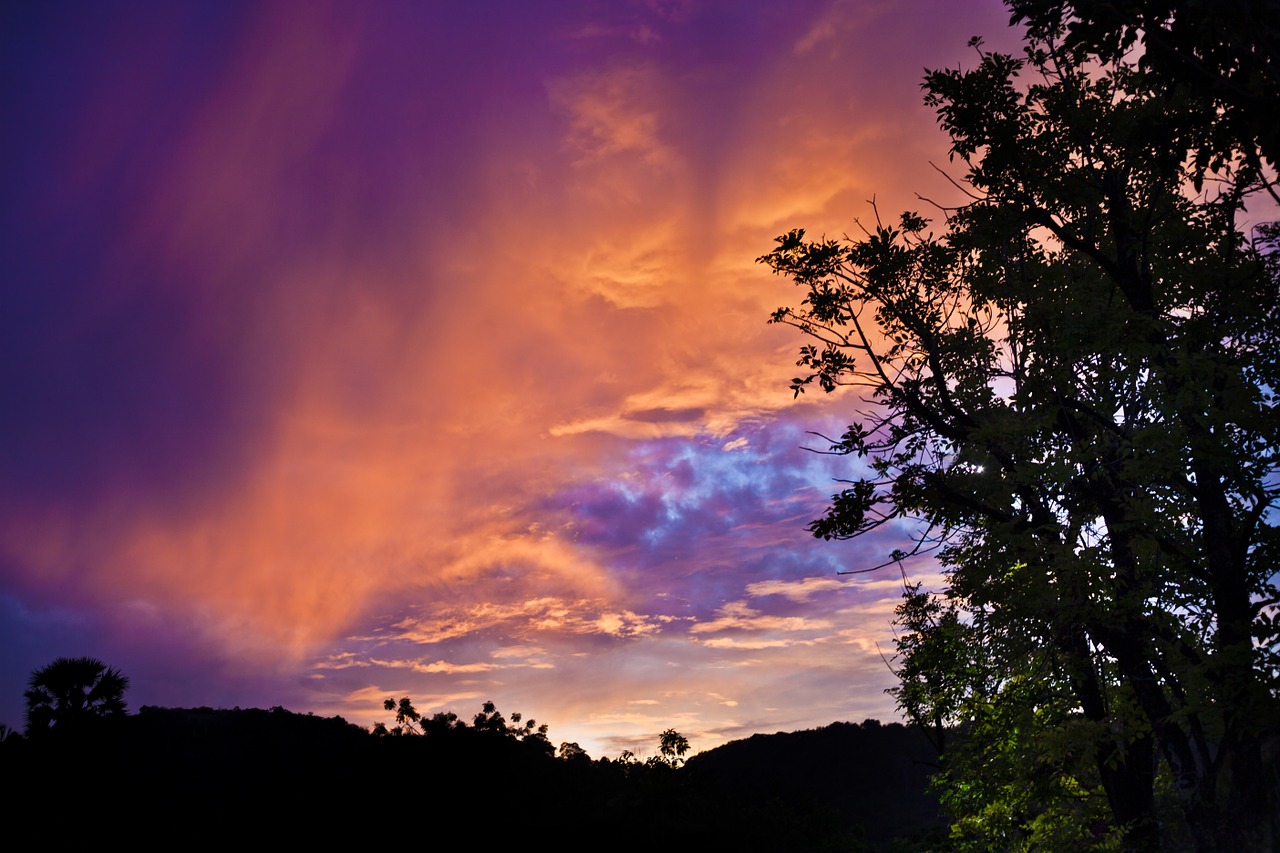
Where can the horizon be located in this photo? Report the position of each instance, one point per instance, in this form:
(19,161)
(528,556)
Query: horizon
(421,351)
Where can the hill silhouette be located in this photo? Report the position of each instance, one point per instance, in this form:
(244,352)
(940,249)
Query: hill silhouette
(174,775)
(874,776)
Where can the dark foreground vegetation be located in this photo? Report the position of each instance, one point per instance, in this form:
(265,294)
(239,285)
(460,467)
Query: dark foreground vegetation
(1066,389)
(173,775)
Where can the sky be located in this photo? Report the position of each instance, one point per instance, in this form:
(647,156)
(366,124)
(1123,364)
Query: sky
(365,350)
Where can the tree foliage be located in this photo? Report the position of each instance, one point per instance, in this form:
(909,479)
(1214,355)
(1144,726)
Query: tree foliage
(1071,381)
(407,718)
(672,747)
(571,751)
(1018,765)
(1219,57)
(71,692)
(489,721)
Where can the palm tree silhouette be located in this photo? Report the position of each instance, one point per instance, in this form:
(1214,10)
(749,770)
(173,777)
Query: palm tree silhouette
(71,691)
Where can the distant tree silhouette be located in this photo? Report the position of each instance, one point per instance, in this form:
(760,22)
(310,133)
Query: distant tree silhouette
(671,748)
(570,751)
(407,718)
(71,691)
(442,722)
(490,719)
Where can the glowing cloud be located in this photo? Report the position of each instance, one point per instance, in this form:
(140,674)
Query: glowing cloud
(404,349)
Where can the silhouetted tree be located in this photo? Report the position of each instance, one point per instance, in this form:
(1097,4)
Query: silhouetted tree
(570,751)
(1216,60)
(671,748)
(72,691)
(1074,383)
(407,718)
(442,722)
(490,719)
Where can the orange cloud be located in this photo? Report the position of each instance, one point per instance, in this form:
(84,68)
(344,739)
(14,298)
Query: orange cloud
(438,295)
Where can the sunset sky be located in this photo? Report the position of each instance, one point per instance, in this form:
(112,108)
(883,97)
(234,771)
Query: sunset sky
(357,350)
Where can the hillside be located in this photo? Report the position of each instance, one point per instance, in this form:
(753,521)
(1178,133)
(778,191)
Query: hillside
(873,776)
(235,774)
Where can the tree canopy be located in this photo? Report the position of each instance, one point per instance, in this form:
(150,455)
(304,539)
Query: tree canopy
(407,718)
(1069,392)
(671,747)
(69,692)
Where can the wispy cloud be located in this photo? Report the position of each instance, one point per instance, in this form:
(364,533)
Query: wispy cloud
(738,616)
(798,590)
(540,615)
(616,111)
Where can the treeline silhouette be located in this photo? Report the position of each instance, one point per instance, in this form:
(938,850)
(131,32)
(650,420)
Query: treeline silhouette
(200,776)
